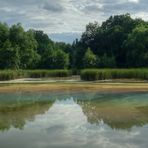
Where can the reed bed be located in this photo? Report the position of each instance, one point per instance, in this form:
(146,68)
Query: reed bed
(15,74)
(48,73)
(107,74)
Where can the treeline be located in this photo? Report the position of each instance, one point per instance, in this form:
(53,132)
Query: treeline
(119,42)
(20,49)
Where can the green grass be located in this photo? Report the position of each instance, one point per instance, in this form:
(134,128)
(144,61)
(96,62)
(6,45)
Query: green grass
(87,74)
(106,74)
(48,73)
(13,74)
(8,75)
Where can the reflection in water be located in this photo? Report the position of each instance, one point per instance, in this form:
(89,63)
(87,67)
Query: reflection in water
(17,115)
(74,119)
(117,116)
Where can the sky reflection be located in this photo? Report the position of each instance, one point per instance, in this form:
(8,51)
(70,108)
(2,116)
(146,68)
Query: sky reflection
(75,123)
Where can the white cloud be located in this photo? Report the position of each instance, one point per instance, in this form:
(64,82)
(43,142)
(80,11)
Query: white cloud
(143,15)
(57,16)
(134,1)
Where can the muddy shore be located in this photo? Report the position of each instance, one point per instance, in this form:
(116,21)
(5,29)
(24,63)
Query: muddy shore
(75,86)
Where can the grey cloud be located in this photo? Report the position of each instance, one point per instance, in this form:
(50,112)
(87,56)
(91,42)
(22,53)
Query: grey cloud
(125,7)
(54,6)
(92,8)
(61,16)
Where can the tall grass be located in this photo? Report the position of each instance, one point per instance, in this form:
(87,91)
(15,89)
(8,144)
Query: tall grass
(87,74)
(106,74)
(47,73)
(12,74)
(8,75)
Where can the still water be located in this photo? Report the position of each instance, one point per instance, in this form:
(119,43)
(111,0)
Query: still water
(73,120)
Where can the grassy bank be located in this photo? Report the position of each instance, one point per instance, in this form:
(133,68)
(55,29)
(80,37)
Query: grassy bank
(13,74)
(106,74)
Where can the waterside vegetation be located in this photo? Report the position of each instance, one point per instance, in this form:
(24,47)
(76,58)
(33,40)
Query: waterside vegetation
(13,74)
(107,74)
(119,42)
(116,49)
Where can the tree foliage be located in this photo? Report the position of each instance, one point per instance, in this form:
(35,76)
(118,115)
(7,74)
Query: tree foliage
(20,49)
(120,42)
(55,59)
(89,59)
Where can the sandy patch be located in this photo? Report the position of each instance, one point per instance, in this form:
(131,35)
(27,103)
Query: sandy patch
(86,86)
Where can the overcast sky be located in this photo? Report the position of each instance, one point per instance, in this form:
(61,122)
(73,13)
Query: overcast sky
(66,19)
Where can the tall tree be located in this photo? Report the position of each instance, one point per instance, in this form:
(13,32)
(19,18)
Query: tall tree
(89,59)
(55,59)
(9,56)
(43,41)
(137,47)
(4,33)
(27,46)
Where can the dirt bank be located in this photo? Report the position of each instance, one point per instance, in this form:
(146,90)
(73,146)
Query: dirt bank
(79,86)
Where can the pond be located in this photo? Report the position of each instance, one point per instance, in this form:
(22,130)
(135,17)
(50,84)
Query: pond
(73,119)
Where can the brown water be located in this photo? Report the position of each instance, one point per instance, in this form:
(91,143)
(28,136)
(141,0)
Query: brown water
(73,120)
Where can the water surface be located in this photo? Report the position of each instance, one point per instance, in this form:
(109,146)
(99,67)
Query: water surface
(73,119)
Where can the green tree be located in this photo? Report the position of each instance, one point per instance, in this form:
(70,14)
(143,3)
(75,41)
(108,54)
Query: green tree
(106,62)
(55,59)
(137,47)
(108,38)
(61,60)
(120,41)
(27,46)
(9,56)
(67,48)
(90,59)
(43,41)
(89,35)
(4,33)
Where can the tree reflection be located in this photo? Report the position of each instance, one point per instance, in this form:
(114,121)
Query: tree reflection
(119,111)
(16,115)
(117,116)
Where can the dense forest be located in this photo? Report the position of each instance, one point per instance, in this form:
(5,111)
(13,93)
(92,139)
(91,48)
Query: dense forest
(119,42)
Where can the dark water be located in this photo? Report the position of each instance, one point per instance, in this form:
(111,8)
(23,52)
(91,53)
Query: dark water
(73,120)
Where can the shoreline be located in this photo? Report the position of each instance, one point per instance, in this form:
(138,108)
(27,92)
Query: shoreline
(112,87)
